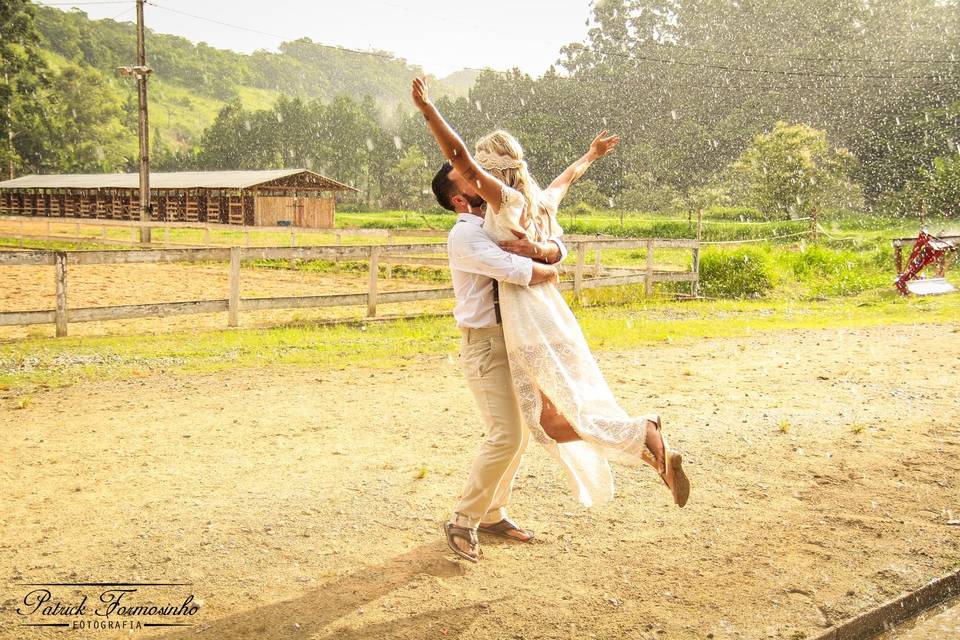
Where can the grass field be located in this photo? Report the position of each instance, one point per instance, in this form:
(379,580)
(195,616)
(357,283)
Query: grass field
(838,282)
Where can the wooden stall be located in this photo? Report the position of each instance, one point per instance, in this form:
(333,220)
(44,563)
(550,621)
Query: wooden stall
(297,197)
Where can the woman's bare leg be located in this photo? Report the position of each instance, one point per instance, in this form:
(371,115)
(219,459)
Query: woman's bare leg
(556,426)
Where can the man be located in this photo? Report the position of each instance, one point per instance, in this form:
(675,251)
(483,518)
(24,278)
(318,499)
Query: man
(476,264)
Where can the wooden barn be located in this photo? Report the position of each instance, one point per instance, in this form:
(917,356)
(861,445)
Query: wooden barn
(296,197)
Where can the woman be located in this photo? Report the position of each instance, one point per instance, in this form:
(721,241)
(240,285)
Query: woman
(563,397)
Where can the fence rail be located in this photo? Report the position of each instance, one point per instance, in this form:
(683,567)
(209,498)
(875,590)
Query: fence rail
(233,304)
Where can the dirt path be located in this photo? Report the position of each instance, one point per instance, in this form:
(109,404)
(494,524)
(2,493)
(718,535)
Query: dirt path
(292,503)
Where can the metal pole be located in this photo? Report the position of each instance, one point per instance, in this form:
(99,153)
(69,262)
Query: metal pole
(144,146)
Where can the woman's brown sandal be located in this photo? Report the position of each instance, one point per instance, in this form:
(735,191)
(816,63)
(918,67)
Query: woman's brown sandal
(673,467)
(466,533)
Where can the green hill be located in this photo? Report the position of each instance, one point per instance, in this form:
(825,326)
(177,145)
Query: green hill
(192,82)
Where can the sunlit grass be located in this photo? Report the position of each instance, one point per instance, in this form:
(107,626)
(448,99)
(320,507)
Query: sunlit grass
(36,362)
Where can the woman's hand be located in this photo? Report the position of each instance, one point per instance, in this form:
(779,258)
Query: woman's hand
(603,144)
(419,93)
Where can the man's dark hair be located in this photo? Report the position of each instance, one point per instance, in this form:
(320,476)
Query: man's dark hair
(443,187)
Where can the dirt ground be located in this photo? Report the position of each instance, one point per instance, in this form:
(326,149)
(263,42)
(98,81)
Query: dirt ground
(825,468)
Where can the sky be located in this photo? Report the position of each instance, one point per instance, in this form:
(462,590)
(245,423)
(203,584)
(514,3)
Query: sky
(441,37)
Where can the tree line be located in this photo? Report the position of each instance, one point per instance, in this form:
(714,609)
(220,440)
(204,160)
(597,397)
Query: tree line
(785,106)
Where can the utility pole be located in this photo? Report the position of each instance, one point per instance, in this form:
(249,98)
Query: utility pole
(144,145)
(140,72)
(10,134)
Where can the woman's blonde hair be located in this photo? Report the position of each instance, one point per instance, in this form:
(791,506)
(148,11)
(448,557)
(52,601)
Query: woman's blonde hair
(500,154)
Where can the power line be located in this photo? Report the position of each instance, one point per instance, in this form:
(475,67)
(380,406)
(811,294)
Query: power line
(77,4)
(776,72)
(771,56)
(376,54)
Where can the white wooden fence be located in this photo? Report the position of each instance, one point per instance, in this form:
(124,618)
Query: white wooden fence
(233,304)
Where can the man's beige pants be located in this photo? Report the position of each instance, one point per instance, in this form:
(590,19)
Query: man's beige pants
(483,357)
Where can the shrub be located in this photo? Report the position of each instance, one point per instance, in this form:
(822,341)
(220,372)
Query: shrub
(738,273)
(827,272)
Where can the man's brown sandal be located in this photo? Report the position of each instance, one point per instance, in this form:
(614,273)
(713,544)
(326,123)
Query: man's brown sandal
(466,533)
(503,528)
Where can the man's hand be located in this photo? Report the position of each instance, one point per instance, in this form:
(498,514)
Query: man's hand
(419,93)
(602,145)
(544,273)
(547,252)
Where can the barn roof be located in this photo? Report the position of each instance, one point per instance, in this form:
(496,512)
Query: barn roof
(180,180)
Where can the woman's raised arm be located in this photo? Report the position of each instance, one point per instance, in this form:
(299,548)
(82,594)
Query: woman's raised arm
(453,148)
(601,146)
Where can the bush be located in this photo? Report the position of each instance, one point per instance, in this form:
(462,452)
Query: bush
(738,273)
(827,272)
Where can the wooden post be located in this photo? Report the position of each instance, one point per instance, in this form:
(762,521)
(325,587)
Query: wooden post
(233,306)
(246,238)
(60,260)
(596,260)
(22,234)
(648,277)
(336,258)
(206,234)
(695,285)
(76,231)
(372,293)
(578,271)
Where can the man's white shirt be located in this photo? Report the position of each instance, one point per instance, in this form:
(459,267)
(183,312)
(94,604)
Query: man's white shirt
(475,261)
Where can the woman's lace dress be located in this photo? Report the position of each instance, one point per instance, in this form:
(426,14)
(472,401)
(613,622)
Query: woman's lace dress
(547,352)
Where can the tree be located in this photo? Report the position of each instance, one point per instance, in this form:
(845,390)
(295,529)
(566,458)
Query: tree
(406,181)
(939,187)
(23,73)
(791,169)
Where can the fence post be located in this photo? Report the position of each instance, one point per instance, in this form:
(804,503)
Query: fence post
(22,234)
(233,306)
(813,226)
(596,259)
(372,293)
(60,260)
(695,285)
(206,233)
(336,258)
(246,238)
(648,278)
(578,271)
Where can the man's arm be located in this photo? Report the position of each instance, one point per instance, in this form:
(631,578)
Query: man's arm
(475,252)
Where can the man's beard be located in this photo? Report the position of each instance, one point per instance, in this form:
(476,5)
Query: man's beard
(474,201)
